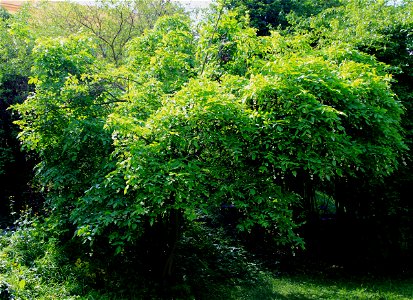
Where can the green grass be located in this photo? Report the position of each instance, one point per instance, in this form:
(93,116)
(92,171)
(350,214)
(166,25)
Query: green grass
(305,287)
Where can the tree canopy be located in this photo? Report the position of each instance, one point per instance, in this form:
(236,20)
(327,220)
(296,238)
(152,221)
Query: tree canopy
(143,123)
(178,133)
(112,23)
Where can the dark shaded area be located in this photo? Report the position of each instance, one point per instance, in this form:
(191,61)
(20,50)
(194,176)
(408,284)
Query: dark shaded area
(5,291)
(17,171)
(376,245)
(206,261)
(210,262)
(4,14)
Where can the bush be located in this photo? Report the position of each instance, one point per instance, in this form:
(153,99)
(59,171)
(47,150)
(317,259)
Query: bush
(33,265)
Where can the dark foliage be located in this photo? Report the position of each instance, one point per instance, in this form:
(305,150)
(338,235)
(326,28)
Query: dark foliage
(272,14)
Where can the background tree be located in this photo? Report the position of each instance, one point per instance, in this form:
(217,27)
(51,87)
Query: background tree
(112,23)
(4,14)
(271,14)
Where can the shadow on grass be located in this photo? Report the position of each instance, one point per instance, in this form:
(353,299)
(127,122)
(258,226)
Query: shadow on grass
(312,287)
(212,266)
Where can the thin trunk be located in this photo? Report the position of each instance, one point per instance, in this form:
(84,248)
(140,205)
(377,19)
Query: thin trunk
(174,232)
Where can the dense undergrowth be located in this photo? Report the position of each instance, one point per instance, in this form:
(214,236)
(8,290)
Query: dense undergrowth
(208,265)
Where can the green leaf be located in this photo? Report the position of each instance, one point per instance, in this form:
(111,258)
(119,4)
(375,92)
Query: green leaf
(22,284)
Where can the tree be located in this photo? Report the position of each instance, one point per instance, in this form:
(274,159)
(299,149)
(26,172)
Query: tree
(63,120)
(135,153)
(164,54)
(4,14)
(112,23)
(271,14)
(379,28)
(382,29)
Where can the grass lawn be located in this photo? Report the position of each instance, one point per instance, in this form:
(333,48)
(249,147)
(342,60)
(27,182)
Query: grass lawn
(303,287)
(307,288)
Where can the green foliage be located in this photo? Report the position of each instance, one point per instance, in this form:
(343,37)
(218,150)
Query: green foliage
(112,23)
(31,265)
(130,155)
(382,29)
(192,156)
(16,45)
(273,14)
(338,112)
(226,45)
(34,265)
(364,24)
(193,123)
(4,14)
(164,54)
(378,28)
(69,136)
